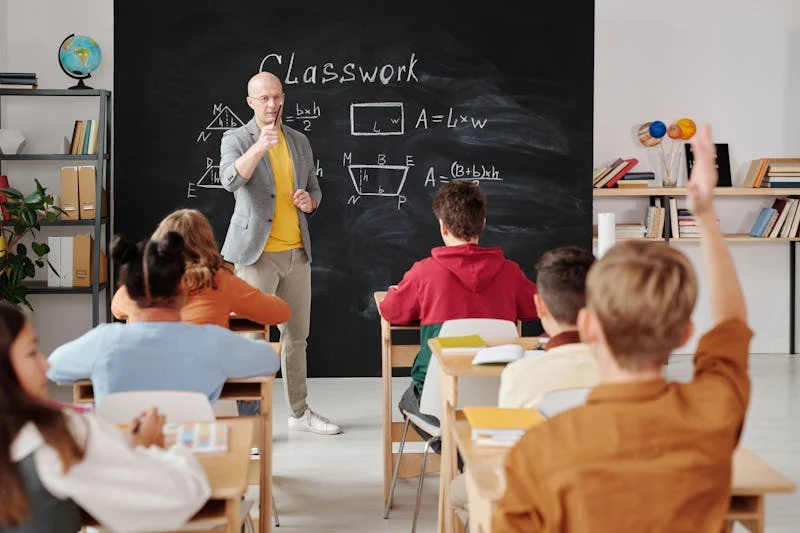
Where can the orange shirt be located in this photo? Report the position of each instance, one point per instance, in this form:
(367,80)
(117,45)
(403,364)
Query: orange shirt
(209,306)
(650,456)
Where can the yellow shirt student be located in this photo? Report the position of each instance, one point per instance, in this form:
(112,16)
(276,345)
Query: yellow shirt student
(285,233)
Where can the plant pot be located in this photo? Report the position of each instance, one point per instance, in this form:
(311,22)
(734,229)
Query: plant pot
(11,142)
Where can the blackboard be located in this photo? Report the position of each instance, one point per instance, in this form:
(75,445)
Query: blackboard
(413,94)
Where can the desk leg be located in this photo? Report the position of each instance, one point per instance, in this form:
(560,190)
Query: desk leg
(265,460)
(756,525)
(449,462)
(234,513)
(386,379)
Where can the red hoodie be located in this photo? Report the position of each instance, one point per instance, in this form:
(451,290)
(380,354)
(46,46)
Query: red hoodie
(465,281)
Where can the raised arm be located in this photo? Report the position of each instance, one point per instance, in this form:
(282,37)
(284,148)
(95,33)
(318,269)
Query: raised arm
(238,161)
(723,285)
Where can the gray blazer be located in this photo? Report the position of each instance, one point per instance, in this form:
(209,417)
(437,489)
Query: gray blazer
(251,221)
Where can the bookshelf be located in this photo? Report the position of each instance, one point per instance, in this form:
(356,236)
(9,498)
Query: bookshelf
(100,225)
(683,191)
(665,193)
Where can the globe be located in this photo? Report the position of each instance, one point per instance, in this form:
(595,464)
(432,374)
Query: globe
(78,57)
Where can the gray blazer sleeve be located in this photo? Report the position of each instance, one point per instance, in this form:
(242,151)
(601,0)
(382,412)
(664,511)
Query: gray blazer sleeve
(313,187)
(231,149)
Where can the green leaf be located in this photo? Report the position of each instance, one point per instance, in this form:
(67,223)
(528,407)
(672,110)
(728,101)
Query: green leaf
(52,216)
(39,263)
(34,198)
(12,193)
(30,269)
(38,248)
(21,250)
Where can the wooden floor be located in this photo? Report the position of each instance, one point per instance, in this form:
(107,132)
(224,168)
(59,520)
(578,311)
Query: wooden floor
(332,484)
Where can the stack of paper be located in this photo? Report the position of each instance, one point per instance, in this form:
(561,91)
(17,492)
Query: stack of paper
(497,426)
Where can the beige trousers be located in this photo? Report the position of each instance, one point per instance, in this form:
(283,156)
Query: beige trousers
(287,275)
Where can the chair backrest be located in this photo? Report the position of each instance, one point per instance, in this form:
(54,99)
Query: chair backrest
(488,328)
(471,390)
(560,400)
(177,406)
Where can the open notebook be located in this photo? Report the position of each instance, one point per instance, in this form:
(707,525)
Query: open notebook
(200,437)
(502,354)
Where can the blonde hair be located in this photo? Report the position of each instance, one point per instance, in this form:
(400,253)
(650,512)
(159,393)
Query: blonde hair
(203,259)
(643,294)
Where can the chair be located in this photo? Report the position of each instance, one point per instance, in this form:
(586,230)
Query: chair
(560,400)
(480,391)
(178,407)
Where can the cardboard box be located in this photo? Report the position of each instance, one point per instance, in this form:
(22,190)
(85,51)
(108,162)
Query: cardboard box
(82,262)
(87,191)
(69,193)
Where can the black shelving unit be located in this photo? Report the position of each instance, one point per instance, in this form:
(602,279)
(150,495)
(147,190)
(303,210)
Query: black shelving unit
(103,170)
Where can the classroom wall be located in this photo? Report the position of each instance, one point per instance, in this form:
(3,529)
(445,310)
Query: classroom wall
(734,64)
(31,34)
(731,63)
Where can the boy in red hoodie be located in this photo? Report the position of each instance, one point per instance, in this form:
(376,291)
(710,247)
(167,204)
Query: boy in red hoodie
(459,280)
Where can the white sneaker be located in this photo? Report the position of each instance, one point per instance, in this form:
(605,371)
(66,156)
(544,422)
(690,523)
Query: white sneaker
(314,423)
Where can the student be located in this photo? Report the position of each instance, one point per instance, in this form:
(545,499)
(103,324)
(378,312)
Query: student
(460,280)
(561,285)
(567,363)
(57,462)
(213,291)
(158,351)
(644,454)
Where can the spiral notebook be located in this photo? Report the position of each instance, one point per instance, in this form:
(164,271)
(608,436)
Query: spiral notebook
(199,437)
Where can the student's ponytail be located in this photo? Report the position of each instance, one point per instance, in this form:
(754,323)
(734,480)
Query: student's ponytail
(151,270)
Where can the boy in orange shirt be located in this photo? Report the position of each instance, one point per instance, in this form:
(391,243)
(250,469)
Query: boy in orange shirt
(644,454)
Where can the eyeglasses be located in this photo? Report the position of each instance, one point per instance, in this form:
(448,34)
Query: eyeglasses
(264,98)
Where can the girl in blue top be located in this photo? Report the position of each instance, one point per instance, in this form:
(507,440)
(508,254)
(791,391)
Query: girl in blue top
(158,352)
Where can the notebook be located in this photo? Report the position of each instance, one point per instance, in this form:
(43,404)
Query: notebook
(498,426)
(463,343)
(503,354)
(200,437)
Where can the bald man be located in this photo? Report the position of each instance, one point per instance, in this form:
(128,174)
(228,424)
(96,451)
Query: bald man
(270,170)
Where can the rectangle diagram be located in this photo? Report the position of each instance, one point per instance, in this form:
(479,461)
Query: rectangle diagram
(377,119)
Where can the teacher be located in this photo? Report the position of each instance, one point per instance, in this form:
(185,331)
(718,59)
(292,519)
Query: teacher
(270,170)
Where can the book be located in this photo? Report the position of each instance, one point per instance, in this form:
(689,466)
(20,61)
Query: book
(639,176)
(498,426)
(760,225)
(199,437)
(460,343)
(723,164)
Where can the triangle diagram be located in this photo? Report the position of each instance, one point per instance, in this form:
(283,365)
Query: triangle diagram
(225,120)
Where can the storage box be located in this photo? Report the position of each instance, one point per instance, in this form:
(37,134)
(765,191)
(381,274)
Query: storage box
(69,193)
(82,262)
(87,188)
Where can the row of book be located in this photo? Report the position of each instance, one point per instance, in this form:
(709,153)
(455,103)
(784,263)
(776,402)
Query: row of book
(84,137)
(611,174)
(773,173)
(18,80)
(782,220)
(682,223)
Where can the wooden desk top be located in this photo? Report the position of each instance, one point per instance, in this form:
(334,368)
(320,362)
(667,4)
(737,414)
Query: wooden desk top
(751,474)
(232,389)
(460,364)
(227,472)
(240,324)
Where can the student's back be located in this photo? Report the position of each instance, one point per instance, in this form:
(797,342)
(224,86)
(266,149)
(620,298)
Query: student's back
(160,356)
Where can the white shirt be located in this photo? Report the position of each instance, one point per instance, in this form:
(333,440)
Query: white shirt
(525,381)
(125,488)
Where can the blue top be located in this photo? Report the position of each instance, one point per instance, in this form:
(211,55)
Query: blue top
(161,356)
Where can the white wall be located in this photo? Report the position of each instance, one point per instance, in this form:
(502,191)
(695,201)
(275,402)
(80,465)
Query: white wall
(31,32)
(733,63)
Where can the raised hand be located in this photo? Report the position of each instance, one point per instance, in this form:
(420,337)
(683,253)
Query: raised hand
(704,173)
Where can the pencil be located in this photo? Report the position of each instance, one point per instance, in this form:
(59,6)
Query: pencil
(277,115)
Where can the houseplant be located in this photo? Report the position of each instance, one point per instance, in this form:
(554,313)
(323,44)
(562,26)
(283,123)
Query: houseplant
(22,214)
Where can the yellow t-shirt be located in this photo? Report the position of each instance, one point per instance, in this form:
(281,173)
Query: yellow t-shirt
(285,233)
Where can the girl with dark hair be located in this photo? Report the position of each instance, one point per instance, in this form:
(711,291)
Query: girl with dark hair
(54,462)
(158,351)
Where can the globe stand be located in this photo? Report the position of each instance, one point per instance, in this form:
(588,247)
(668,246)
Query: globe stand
(80,85)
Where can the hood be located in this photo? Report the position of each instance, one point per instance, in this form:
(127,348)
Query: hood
(475,266)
